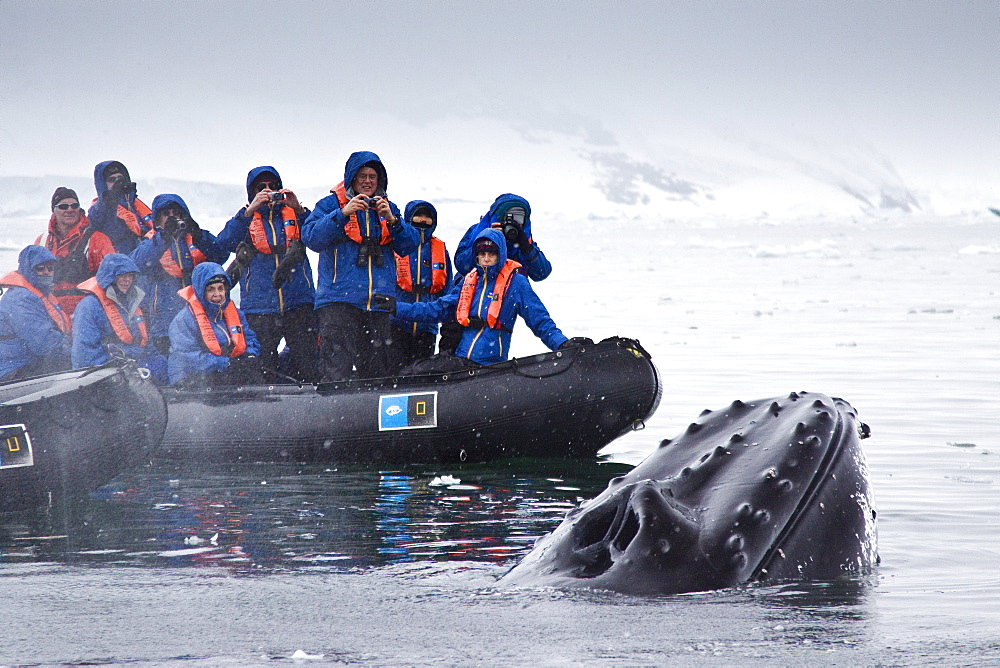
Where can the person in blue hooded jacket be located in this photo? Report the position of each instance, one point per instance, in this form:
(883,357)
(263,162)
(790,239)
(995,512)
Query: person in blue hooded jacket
(34,330)
(422,276)
(166,259)
(117,212)
(486,304)
(109,324)
(511,214)
(210,340)
(275,276)
(356,230)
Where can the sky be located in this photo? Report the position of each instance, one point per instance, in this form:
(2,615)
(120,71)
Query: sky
(592,109)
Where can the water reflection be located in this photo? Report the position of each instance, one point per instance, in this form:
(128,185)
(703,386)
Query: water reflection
(248,517)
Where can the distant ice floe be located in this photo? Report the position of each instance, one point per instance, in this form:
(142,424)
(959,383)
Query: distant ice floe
(823,249)
(444,481)
(980,250)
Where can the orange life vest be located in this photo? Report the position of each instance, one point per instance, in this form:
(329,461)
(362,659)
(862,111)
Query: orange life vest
(259,236)
(118,324)
(136,224)
(167,259)
(16,280)
(233,325)
(466,296)
(353,226)
(439,273)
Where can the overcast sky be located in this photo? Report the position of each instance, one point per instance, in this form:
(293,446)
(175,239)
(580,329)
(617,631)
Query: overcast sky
(674,104)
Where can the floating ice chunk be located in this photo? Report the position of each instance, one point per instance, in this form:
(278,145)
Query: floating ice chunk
(300,655)
(443,480)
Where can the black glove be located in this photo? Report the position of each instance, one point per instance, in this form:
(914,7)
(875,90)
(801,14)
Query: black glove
(194,230)
(244,253)
(576,342)
(296,253)
(385,303)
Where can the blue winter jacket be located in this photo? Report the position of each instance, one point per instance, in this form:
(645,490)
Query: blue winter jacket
(27,332)
(420,272)
(490,345)
(340,279)
(188,355)
(533,261)
(257,295)
(104,217)
(94,339)
(162,301)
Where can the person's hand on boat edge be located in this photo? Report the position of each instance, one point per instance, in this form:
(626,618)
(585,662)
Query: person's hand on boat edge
(576,342)
(384,303)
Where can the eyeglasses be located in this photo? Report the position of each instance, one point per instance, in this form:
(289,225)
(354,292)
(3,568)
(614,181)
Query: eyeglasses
(63,207)
(266,185)
(47,268)
(366,177)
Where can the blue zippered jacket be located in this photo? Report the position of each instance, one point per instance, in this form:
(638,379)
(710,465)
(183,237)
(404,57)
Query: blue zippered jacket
(420,272)
(489,345)
(188,354)
(340,279)
(533,261)
(27,332)
(257,294)
(104,217)
(162,301)
(94,339)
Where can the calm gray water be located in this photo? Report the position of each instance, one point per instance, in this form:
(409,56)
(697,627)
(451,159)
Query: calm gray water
(249,565)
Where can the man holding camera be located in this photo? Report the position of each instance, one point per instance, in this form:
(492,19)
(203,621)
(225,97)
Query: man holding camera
(356,230)
(275,277)
(116,211)
(511,215)
(166,259)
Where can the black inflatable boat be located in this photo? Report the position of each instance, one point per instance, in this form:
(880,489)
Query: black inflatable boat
(66,434)
(568,403)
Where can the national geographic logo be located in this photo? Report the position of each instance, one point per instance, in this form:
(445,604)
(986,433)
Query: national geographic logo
(407,411)
(15,447)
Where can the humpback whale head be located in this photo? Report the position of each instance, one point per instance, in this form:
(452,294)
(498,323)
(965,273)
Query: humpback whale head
(768,490)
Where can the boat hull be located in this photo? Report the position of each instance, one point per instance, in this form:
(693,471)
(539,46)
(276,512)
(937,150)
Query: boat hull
(64,435)
(569,403)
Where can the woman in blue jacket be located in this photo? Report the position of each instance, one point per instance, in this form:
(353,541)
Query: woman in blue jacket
(166,259)
(276,281)
(487,303)
(109,324)
(356,231)
(422,276)
(210,339)
(34,331)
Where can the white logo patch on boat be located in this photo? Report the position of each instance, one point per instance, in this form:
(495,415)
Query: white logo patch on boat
(407,411)
(15,447)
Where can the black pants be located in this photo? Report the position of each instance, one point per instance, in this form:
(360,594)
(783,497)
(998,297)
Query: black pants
(298,327)
(354,339)
(408,348)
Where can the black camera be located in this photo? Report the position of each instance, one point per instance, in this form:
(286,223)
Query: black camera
(511,228)
(128,187)
(512,224)
(277,197)
(372,201)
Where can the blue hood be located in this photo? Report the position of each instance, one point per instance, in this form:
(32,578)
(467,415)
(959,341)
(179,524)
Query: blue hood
(506,201)
(255,173)
(112,266)
(358,160)
(200,277)
(29,258)
(161,202)
(411,208)
(496,236)
(99,170)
